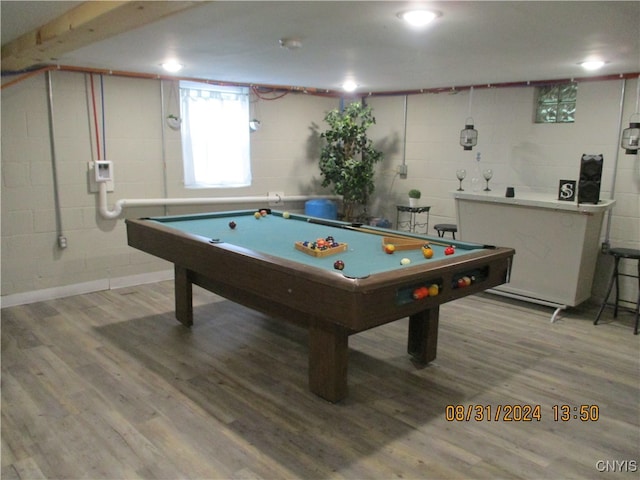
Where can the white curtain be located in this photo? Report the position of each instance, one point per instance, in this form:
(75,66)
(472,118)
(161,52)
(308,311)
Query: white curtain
(215,135)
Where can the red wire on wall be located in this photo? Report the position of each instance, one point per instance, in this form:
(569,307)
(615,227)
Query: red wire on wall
(95,115)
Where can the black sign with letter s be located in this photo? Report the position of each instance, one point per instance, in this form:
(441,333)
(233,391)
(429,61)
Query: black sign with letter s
(567,190)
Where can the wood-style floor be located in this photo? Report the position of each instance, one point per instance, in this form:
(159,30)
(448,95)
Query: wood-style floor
(109,386)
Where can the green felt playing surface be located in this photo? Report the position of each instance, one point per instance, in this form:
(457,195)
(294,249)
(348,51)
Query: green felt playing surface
(276,236)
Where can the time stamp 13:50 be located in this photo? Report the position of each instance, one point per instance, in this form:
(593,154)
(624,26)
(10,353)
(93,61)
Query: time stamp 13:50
(521,413)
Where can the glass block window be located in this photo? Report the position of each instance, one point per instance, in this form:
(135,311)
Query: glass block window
(556,103)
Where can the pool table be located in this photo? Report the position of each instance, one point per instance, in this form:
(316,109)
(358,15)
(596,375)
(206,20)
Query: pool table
(257,264)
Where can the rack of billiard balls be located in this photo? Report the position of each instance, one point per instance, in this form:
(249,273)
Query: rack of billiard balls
(321,247)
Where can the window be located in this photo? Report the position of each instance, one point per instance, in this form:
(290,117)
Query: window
(556,103)
(215,135)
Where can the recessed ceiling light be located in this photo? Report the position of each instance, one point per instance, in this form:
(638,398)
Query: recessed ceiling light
(592,64)
(349,86)
(172,66)
(418,18)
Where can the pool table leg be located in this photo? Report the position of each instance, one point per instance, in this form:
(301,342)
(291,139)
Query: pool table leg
(423,335)
(183,296)
(328,357)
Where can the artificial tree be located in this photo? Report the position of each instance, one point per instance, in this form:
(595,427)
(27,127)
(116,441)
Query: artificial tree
(347,159)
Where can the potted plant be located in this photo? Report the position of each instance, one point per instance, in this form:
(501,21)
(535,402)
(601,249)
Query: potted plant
(347,158)
(414,196)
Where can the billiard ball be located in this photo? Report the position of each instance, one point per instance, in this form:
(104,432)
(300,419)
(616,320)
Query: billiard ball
(434,290)
(461,283)
(232,225)
(405,261)
(420,293)
(449,250)
(427,251)
(389,248)
(257,215)
(467,281)
(286,215)
(263,213)
(338,265)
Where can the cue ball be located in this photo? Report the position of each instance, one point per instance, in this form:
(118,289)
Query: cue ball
(232,225)
(286,215)
(338,265)
(405,261)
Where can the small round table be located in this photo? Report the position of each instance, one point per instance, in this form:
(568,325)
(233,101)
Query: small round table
(411,224)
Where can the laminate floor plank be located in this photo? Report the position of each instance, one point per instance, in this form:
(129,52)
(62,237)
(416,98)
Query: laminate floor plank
(108,385)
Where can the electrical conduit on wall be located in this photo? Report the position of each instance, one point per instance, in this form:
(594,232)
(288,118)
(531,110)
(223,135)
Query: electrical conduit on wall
(62,240)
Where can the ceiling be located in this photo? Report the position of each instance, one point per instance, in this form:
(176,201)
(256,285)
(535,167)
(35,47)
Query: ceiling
(471,43)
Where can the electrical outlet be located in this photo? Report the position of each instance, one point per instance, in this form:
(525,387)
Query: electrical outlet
(93,185)
(402,170)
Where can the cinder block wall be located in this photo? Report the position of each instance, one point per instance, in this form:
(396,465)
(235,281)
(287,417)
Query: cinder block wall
(147,160)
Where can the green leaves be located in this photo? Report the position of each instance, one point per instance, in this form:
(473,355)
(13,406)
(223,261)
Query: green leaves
(347,159)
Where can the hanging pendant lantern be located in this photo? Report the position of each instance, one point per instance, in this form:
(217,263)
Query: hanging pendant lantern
(631,138)
(468,136)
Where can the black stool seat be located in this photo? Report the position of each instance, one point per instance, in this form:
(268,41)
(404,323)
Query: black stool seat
(443,228)
(631,253)
(618,254)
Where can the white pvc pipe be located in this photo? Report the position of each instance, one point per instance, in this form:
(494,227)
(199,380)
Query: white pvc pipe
(153,202)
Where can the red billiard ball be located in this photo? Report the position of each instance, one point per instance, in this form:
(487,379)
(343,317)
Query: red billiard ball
(420,293)
(232,225)
(449,250)
(338,265)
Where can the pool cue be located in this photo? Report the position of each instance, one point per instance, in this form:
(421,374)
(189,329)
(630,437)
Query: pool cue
(359,228)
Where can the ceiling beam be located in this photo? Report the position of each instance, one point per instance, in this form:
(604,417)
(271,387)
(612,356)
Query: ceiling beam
(87,23)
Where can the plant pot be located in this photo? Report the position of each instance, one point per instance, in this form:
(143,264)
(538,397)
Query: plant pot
(413,202)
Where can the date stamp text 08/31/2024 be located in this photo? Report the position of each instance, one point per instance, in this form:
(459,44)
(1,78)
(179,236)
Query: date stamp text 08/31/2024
(521,413)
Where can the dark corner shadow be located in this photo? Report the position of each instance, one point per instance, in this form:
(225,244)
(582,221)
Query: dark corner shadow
(250,372)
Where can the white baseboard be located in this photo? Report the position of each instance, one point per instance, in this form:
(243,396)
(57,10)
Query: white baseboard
(85,287)
(141,279)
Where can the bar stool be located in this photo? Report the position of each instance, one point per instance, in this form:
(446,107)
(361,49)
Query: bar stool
(619,253)
(443,228)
